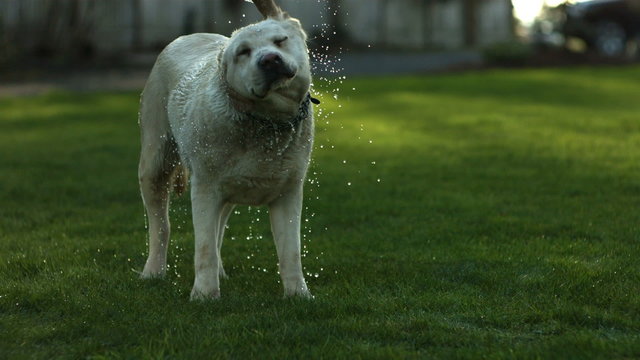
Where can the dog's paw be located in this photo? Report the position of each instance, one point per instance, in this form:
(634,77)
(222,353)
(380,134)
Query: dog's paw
(300,295)
(198,295)
(298,290)
(151,274)
(153,270)
(145,274)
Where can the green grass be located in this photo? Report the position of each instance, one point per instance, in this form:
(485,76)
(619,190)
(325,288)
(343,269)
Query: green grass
(505,224)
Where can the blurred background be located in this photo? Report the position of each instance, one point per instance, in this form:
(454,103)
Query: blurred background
(37,36)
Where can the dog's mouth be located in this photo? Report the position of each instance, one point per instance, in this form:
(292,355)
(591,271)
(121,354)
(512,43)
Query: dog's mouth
(269,84)
(273,73)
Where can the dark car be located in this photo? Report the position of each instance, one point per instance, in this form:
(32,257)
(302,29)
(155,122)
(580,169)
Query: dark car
(607,26)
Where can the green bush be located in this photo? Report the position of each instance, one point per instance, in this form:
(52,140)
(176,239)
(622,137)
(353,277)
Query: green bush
(510,53)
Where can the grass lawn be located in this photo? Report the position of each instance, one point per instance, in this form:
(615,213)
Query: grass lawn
(491,214)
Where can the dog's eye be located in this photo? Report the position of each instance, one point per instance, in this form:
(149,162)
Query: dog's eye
(244,51)
(280,41)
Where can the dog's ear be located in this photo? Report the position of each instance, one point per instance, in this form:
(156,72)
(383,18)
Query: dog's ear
(269,9)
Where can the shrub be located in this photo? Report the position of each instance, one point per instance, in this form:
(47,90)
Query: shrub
(508,54)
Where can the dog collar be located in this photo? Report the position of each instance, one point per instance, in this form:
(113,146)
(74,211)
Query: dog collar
(312,99)
(244,105)
(303,111)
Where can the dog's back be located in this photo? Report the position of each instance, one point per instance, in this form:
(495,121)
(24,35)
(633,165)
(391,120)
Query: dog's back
(175,61)
(173,64)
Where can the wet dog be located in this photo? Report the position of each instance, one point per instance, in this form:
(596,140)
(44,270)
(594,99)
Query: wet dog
(233,117)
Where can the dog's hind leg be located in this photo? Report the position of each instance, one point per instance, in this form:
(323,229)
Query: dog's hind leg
(155,174)
(158,168)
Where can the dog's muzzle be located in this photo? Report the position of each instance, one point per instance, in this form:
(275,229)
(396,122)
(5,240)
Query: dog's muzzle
(274,68)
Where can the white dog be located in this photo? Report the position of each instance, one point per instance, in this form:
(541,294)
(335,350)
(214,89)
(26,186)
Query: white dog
(235,114)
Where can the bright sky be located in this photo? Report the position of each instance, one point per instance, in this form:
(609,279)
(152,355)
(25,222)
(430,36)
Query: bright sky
(527,10)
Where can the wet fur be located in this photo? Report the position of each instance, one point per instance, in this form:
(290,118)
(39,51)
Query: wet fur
(200,120)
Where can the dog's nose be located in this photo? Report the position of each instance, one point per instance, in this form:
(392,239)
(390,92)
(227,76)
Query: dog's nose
(270,61)
(273,63)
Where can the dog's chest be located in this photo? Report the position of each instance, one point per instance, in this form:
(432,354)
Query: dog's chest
(248,161)
(252,184)
(255,177)
(254,168)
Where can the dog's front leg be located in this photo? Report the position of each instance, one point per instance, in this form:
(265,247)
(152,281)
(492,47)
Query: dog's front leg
(206,208)
(285,213)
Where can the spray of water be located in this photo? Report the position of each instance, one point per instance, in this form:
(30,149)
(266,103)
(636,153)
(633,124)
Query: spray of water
(326,63)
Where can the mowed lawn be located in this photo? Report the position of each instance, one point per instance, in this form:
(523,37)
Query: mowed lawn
(484,214)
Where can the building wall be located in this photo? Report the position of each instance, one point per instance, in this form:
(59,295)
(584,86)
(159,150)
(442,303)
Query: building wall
(494,22)
(404,24)
(362,21)
(164,20)
(422,24)
(446,24)
(112,26)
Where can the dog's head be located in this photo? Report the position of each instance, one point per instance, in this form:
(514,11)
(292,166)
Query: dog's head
(267,64)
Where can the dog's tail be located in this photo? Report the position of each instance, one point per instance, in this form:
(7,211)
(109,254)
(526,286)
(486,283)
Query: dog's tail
(180,179)
(269,9)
